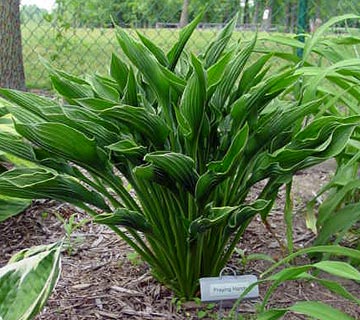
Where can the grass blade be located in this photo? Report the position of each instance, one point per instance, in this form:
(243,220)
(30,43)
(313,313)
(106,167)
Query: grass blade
(319,311)
(339,268)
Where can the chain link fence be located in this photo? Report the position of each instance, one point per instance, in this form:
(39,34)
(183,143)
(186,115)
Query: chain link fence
(78,36)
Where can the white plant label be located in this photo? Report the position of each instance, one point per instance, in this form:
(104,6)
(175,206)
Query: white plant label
(227,287)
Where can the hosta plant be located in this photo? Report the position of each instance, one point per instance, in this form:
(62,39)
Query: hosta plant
(9,206)
(27,280)
(166,149)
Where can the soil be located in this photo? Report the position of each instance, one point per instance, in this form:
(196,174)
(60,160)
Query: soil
(102,278)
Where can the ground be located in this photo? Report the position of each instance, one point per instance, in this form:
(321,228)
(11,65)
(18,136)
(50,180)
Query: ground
(102,278)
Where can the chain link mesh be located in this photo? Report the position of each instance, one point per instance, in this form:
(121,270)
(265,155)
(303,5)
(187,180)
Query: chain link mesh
(78,36)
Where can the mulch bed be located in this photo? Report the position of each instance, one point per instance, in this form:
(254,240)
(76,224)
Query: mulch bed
(102,278)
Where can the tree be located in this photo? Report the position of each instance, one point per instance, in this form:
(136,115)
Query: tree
(99,13)
(246,12)
(291,15)
(32,13)
(184,18)
(11,61)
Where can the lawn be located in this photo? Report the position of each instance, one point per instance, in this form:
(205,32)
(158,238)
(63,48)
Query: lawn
(85,51)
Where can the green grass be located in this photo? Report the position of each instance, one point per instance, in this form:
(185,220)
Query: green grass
(85,51)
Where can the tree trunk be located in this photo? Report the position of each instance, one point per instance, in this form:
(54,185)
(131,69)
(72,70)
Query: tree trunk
(256,13)
(246,13)
(318,9)
(293,16)
(11,61)
(288,13)
(184,18)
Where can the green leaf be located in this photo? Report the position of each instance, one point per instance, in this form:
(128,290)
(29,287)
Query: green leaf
(338,221)
(331,249)
(216,47)
(139,120)
(146,63)
(333,73)
(328,207)
(154,49)
(249,106)
(231,74)
(127,218)
(192,105)
(38,183)
(233,217)
(319,310)
(344,40)
(11,207)
(29,101)
(103,89)
(250,76)
(215,72)
(285,40)
(177,83)
(129,149)
(175,52)
(233,153)
(259,257)
(283,119)
(119,71)
(6,123)
(23,115)
(272,314)
(290,273)
(309,45)
(215,217)
(219,170)
(170,167)
(130,91)
(105,132)
(337,288)
(288,218)
(44,158)
(60,73)
(26,284)
(71,90)
(15,145)
(95,104)
(339,268)
(322,139)
(246,212)
(64,141)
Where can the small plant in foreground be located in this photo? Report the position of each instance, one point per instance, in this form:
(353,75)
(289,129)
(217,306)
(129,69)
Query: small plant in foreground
(134,258)
(246,258)
(190,134)
(308,272)
(70,225)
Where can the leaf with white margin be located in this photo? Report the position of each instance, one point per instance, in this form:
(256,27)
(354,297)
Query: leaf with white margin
(27,281)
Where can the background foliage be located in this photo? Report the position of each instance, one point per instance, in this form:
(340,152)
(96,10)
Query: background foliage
(78,35)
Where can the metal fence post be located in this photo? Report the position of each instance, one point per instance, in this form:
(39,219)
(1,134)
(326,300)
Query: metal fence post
(302,24)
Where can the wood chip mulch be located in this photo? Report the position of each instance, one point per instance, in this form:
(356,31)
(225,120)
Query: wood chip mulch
(101,278)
